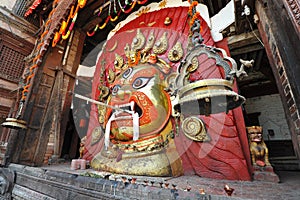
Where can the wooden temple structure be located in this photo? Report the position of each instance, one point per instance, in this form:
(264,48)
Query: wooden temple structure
(210,84)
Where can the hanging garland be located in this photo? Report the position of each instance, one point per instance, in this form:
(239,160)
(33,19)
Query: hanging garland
(126,8)
(37,59)
(64,37)
(41,45)
(62,33)
(195,23)
(193,14)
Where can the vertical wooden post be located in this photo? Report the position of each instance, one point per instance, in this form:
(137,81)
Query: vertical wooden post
(57,114)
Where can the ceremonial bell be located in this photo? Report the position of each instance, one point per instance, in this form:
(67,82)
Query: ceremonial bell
(206,96)
(14,123)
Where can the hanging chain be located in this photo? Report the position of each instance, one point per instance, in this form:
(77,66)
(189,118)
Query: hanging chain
(195,24)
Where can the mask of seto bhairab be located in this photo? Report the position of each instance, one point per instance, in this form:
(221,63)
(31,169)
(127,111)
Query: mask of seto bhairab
(169,107)
(138,89)
(136,124)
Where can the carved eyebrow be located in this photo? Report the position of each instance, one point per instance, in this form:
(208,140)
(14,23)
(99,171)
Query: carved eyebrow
(127,73)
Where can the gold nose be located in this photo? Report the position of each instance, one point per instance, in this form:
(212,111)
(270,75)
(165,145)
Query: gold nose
(123,93)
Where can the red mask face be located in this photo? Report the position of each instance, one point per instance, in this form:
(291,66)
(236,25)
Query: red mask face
(139,89)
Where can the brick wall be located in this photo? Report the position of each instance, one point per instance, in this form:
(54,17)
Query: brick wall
(271,117)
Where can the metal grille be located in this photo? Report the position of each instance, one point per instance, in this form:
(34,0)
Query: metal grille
(11,64)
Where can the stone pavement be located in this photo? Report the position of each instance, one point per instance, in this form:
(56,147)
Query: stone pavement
(288,187)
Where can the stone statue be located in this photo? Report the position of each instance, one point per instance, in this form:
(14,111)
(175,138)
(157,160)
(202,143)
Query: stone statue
(6,183)
(262,169)
(82,146)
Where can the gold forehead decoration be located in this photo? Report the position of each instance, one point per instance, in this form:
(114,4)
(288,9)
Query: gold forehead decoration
(206,92)
(147,51)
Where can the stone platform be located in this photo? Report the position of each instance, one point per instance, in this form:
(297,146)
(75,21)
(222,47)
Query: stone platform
(60,182)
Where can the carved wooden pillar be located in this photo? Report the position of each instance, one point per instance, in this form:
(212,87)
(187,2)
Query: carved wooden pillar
(278,25)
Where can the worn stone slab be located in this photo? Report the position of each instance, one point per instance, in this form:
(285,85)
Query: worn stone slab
(20,192)
(76,186)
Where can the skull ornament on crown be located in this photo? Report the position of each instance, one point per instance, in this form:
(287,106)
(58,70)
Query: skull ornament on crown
(156,120)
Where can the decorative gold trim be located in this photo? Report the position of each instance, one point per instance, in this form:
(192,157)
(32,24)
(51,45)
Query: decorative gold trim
(149,24)
(144,144)
(194,129)
(111,76)
(168,21)
(216,83)
(113,47)
(161,45)
(97,134)
(176,53)
(163,3)
(149,43)
(143,11)
(119,61)
(138,41)
(194,65)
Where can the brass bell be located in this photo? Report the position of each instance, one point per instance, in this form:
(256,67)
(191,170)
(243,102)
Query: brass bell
(207,97)
(14,123)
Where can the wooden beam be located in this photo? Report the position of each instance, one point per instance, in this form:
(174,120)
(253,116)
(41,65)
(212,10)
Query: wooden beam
(244,39)
(90,25)
(246,49)
(88,13)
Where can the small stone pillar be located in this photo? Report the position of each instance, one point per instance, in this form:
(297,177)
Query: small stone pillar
(262,169)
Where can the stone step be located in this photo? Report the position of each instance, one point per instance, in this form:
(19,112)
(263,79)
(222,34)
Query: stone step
(285,163)
(37,183)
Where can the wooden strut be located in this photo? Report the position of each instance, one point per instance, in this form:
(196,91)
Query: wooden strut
(57,113)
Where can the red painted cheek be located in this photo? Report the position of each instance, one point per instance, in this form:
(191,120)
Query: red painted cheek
(149,113)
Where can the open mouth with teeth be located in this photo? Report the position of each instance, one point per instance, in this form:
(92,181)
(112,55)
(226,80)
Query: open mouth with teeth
(123,123)
(137,119)
(125,109)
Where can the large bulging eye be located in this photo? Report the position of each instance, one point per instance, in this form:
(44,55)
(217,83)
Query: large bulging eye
(115,89)
(127,73)
(140,82)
